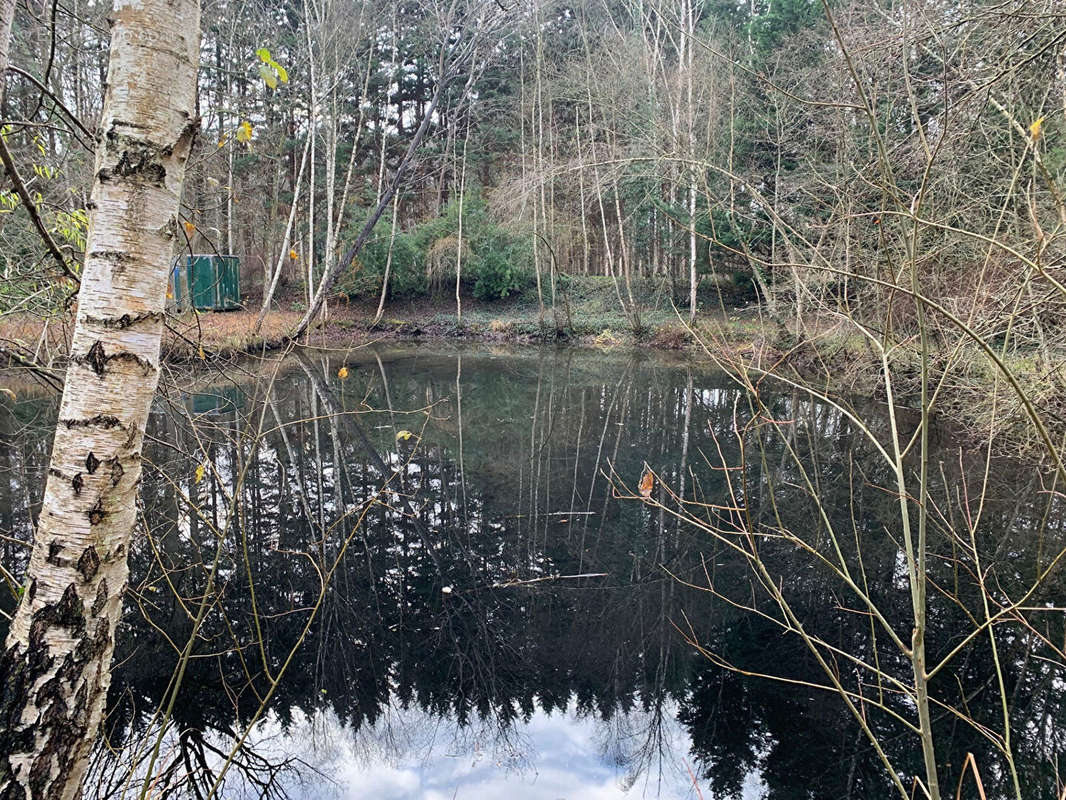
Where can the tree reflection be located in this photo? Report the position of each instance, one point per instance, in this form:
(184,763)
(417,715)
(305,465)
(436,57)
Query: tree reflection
(455,596)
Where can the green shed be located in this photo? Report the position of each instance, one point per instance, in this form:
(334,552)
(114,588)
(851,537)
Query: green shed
(207,282)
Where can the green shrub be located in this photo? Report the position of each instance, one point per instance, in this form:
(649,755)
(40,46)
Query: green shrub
(496,262)
(406,274)
(496,276)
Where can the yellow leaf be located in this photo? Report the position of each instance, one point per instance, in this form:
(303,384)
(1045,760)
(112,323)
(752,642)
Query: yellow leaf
(9,393)
(342,373)
(270,78)
(190,228)
(405,435)
(244,132)
(170,294)
(200,472)
(222,141)
(201,353)
(1035,128)
(294,255)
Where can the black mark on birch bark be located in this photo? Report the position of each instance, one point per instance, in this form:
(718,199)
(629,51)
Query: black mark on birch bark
(101,597)
(89,563)
(105,421)
(117,471)
(126,320)
(96,513)
(95,358)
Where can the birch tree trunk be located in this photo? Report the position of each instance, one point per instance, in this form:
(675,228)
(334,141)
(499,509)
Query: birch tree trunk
(286,241)
(55,667)
(7,15)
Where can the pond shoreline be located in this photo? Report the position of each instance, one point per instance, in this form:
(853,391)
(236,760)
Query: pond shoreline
(826,354)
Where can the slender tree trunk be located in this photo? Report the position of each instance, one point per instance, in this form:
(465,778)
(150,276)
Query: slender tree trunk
(581,194)
(55,670)
(459,235)
(7,15)
(312,116)
(388,260)
(690,112)
(268,292)
(328,278)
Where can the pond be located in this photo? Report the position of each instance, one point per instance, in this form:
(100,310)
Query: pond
(430,574)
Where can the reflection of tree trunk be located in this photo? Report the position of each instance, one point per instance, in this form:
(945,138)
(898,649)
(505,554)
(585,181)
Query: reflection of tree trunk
(459,414)
(293,461)
(55,671)
(332,408)
(685,440)
(596,465)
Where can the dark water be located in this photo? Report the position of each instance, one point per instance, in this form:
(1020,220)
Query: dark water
(498,622)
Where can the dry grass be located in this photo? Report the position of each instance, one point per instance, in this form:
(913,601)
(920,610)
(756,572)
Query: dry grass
(224,332)
(187,335)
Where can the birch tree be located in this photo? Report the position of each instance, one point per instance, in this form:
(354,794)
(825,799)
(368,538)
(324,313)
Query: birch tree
(7,14)
(54,671)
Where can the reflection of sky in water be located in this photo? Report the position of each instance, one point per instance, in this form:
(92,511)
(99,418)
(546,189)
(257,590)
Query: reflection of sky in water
(411,755)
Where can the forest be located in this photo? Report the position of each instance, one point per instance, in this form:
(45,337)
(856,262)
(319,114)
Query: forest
(801,158)
(391,392)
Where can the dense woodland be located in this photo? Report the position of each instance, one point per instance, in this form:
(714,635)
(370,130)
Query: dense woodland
(818,153)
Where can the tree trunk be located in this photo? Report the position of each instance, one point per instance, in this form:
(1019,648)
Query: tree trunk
(55,669)
(7,15)
(268,292)
(327,280)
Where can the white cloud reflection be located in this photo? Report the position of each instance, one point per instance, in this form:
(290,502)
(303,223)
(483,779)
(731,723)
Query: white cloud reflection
(409,754)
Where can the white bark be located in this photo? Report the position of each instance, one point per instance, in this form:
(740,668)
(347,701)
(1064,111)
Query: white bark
(268,294)
(7,14)
(54,671)
(459,235)
(388,259)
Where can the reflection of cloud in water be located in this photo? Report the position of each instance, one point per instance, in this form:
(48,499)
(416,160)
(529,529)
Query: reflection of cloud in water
(409,754)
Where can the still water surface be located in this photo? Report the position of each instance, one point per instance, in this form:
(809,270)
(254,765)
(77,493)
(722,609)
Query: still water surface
(500,619)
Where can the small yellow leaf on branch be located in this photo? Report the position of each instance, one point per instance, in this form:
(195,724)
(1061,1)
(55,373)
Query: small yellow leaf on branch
(405,435)
(244,132)
(200,470)
(270,78)
(190,228)
(342,373)
(1035,129)
(294,255)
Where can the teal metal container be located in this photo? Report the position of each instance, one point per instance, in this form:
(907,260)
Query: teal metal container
(207,283)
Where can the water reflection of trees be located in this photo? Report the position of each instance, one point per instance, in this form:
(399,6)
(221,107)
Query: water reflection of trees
(433,608)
